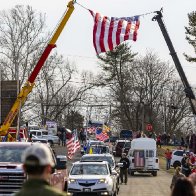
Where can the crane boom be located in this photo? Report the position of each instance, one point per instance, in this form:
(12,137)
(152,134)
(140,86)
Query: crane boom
(27,88)
(187,88)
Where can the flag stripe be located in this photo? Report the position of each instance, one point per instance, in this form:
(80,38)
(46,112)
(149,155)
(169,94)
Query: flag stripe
(98,32)
(135,31)
(127,31)
(110,43)
(102,33)
(118,32)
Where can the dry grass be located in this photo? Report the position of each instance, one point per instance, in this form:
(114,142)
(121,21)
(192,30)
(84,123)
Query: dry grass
(162,161)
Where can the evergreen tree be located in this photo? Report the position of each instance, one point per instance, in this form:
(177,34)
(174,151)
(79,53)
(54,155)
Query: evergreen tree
(191,34)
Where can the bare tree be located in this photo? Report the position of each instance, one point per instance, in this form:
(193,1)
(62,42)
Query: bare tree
(22,35)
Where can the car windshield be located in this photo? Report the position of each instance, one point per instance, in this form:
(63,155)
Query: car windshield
(127,145)
(11,153)
(109,159)
(99,149)
(96,143)
(89,169)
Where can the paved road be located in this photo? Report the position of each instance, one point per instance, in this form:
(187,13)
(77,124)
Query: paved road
(138,185)
(147,185)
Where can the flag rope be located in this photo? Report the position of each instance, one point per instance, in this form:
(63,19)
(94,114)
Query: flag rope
(148,13)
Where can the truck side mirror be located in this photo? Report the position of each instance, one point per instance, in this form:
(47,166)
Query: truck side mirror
(61,162)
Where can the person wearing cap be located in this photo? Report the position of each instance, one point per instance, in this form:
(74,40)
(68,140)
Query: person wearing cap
(38,164)
(124,169)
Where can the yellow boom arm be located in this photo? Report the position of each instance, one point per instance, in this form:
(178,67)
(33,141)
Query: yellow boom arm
(27,88)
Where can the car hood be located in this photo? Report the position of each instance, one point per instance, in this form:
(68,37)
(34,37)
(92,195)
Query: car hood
(87,177)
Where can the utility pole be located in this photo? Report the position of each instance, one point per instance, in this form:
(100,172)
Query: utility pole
(18,90)
(0,94)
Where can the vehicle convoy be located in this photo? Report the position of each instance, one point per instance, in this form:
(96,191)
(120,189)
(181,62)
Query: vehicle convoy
(143,156)
(119,145)
(43,134)
(28,86)
(94,178)
(12,175)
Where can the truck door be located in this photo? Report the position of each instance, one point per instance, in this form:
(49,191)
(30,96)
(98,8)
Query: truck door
(139,158)
(150,159)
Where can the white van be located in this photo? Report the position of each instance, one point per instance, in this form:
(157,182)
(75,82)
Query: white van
(143,156)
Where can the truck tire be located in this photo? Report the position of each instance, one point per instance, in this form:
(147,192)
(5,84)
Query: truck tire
(154,173)
(176,164)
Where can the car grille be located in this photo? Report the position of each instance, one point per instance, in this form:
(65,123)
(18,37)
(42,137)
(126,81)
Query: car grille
(11,182)
(86,184)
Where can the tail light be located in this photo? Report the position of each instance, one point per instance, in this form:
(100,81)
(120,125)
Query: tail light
(157,160)
(132,160)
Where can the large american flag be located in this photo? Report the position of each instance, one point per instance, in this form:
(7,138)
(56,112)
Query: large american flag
(139,158)
(73,145)
(110,32)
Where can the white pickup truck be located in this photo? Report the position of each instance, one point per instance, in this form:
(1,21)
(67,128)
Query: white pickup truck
(143,156)
(42,133)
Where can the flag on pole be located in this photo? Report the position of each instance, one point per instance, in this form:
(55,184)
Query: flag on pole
(110,32)
(100,135)
(73,145)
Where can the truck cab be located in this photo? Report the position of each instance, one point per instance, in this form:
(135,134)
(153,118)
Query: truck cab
(12,175)
(143,156)
(42,133)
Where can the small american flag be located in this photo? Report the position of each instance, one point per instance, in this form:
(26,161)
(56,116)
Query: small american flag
(73,145)
(139,158)
(91,129)
(110,32)
(100,135)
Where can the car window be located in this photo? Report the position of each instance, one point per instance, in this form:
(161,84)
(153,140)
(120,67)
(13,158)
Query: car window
(38,133)
(11,153)
(149,153)
(109,159)
(89,169)
(179,153)
(127,145)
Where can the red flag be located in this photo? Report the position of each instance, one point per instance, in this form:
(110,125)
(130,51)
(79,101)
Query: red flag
(110,32)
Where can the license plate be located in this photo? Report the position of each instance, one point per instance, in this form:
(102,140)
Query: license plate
(87,190)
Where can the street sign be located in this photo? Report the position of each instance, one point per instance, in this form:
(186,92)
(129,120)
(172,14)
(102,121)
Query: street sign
(149,127)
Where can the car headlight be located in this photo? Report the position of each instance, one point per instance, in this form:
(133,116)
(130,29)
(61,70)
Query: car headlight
(71,181)
(103,180)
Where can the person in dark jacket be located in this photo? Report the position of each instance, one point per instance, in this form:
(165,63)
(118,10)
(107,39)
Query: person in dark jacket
(124,169)
(38,165)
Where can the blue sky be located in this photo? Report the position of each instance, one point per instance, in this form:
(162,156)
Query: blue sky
(76,44)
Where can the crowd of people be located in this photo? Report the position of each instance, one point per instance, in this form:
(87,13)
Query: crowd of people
(182,185)
(184,179)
